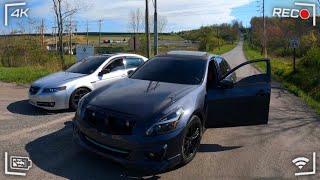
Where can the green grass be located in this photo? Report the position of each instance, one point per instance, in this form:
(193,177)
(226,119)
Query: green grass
(172,37)
(26,75)
(23,75)
(302,83)
(223,49)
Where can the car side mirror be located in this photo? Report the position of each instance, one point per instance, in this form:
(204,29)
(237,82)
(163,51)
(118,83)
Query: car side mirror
(104,71)
(227,84)
(130,72)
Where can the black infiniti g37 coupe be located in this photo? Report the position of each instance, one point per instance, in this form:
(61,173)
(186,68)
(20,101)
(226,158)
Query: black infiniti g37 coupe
(155,118)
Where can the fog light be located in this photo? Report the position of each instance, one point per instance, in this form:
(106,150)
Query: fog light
(158,156)
(46,104)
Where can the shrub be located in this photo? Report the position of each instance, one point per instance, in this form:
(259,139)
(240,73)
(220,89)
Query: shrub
(312,58)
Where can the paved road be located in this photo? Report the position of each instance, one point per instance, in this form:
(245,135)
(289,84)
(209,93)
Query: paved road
(227,153)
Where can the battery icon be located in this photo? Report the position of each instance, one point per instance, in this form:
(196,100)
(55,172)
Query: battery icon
(16,164)
(20,163)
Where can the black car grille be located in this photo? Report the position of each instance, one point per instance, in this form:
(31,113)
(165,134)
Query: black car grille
(106,149)
(34,90)
(108,123)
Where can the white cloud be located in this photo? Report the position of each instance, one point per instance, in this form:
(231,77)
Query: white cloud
(181,14)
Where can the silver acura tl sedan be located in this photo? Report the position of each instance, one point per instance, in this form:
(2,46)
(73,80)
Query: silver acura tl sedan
(63,90)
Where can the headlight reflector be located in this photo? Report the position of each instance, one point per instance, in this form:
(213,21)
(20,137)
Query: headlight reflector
(167,124)
(52,90)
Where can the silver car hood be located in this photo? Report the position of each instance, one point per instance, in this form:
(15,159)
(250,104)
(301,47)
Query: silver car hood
(58,77)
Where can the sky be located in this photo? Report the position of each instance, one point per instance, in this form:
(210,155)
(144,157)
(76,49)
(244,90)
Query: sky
(181,14)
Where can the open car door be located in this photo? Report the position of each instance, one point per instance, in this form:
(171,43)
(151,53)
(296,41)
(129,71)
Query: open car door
(243,99)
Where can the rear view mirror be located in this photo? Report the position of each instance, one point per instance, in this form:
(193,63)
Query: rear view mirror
(227,84)
(104,71)
(130,72)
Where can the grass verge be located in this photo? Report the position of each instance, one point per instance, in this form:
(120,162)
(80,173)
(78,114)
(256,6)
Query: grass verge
(23,75)
(295,82)
(223,49)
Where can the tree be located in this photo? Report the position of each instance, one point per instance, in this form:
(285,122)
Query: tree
(162,23)
(135,22)
(64,9)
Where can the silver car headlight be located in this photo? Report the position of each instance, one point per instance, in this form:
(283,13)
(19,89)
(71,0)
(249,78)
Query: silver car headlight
(52,90)
(167,124)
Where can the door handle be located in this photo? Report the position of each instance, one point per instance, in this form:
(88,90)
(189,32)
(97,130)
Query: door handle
(261,93)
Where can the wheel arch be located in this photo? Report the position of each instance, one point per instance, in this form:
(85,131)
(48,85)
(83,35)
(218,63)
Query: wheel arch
(200,115)
(70,96)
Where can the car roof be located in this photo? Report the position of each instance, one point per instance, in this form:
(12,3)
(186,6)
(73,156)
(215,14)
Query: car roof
(123,54)
(200,55)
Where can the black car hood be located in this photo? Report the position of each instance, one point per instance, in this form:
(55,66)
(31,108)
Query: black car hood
(138,97)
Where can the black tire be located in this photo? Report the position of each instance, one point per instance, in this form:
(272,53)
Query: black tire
(191,136)
(76,96)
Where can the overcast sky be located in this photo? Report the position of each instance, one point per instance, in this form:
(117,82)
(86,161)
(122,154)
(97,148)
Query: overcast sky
(181,14)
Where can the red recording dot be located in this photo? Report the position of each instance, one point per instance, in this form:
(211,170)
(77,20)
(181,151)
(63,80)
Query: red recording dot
(304,14)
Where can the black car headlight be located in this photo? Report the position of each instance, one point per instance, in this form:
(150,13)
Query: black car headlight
(167,124)
(52,90)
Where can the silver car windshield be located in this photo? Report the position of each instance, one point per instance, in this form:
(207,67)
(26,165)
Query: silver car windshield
(87,65)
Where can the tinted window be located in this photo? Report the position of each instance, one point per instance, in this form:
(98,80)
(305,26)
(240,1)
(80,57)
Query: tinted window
(223,65)
(180,71)
(133,62)
(116,65)
(87,65)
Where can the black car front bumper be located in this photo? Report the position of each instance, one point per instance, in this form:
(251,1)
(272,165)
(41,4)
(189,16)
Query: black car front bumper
(150,155)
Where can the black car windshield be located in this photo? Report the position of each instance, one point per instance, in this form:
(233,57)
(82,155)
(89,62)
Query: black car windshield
(172,70)
(87,65)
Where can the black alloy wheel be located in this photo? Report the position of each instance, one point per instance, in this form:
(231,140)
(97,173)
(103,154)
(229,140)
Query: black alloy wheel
(76,96)
(191,140)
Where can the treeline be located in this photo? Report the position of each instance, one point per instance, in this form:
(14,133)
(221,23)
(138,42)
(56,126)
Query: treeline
(279,32)
(211,37)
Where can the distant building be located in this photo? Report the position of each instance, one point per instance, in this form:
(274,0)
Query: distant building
(115,40)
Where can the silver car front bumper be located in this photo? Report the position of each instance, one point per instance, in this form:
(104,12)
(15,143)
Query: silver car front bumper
(50,101)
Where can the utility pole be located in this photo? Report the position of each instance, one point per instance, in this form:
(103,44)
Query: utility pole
(76,29)
(87,33)
(218,37)
(155,28)
(55,33)
(42,33)
(70,37)
(54,39)
(147,29)
(264,31)
(100,20)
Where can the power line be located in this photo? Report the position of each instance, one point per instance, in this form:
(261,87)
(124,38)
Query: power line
(203,13)
(206,6)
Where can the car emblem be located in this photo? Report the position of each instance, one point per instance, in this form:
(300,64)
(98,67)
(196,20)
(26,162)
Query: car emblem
(93,114)
(128,123)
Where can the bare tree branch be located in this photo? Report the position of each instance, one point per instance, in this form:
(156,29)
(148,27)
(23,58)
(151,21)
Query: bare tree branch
(135,21)
(63,13)
(162,23)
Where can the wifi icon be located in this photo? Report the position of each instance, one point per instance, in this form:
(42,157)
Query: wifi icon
(300,162)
